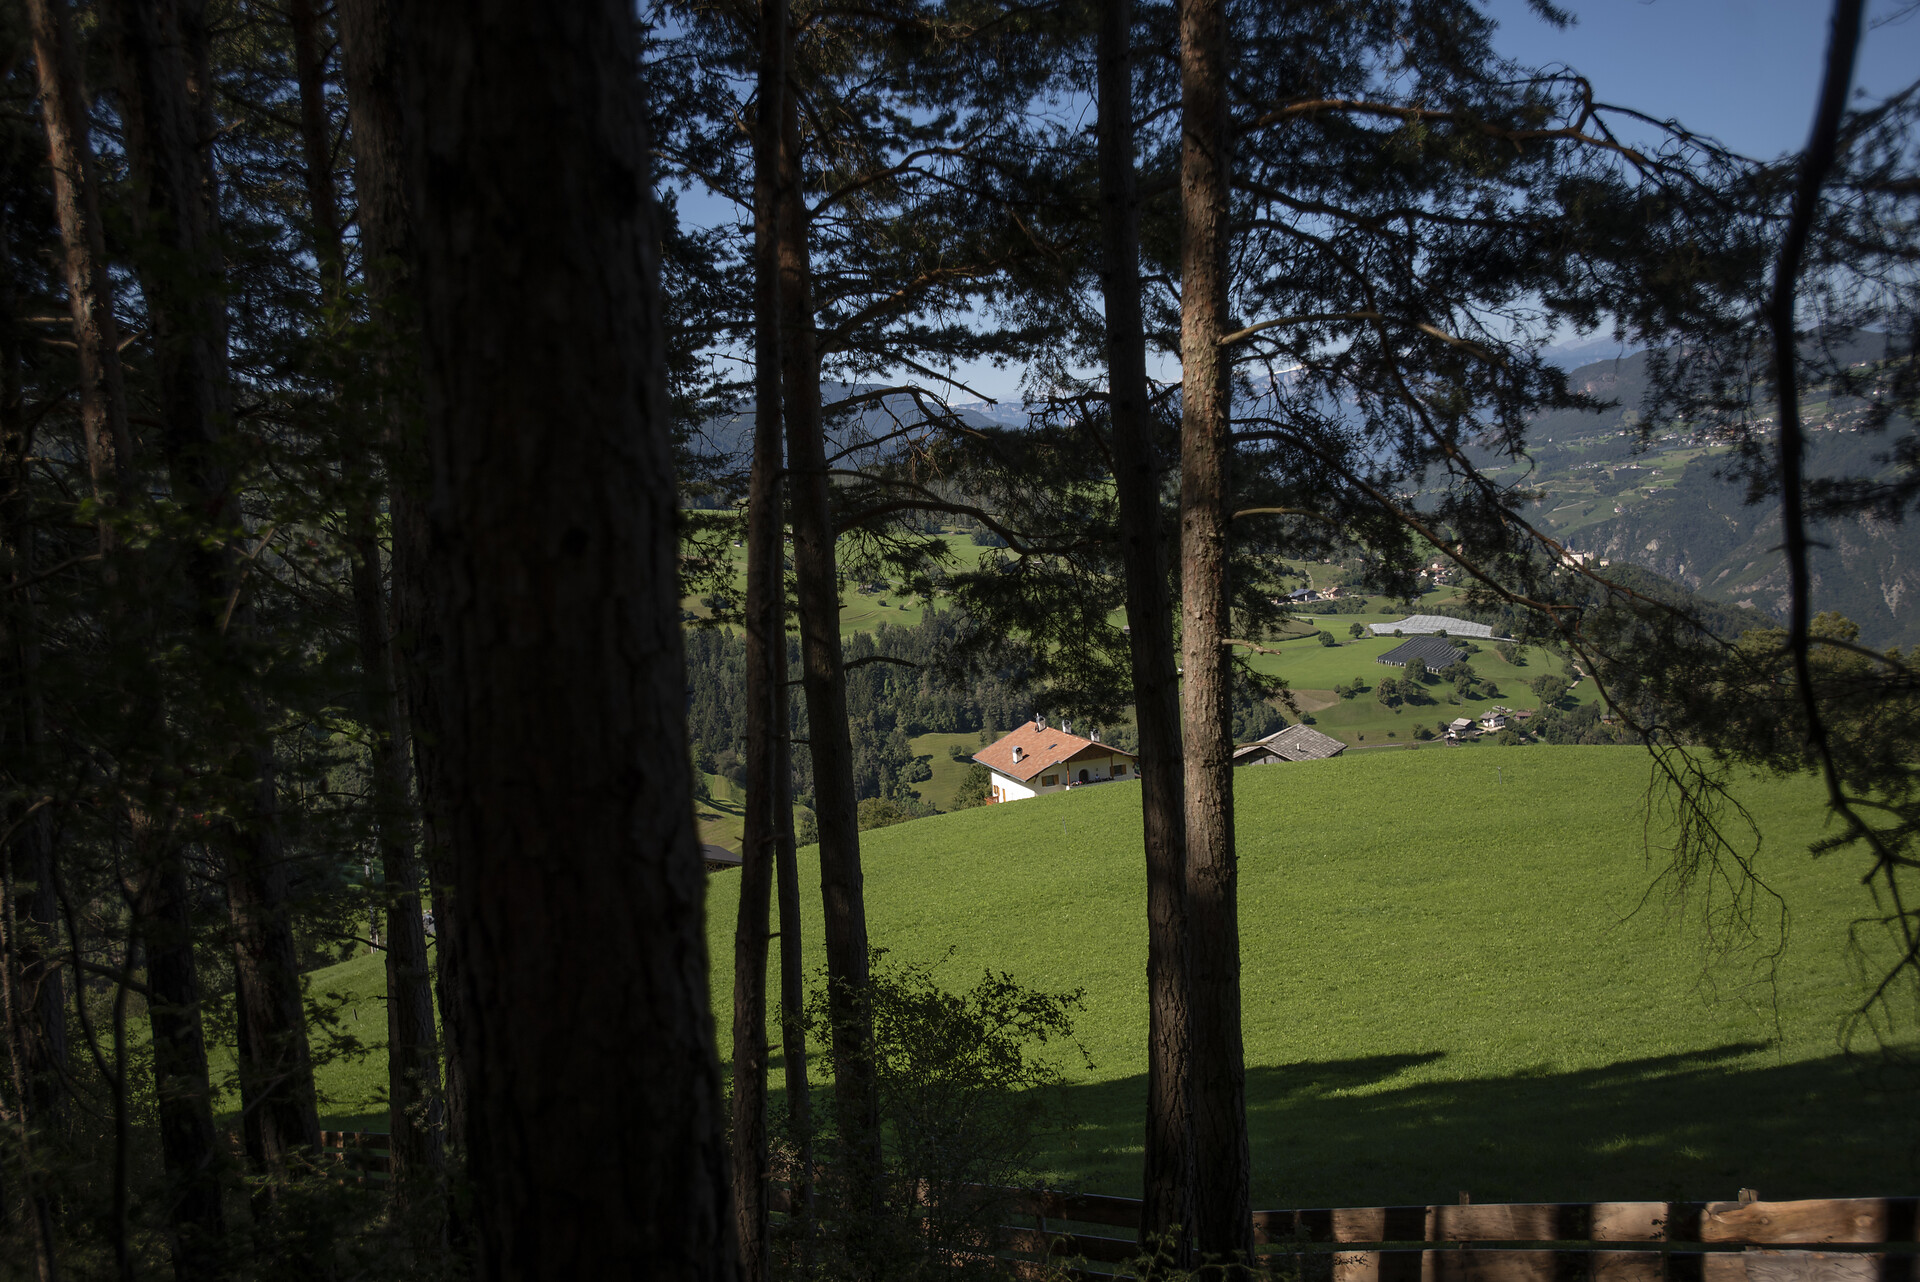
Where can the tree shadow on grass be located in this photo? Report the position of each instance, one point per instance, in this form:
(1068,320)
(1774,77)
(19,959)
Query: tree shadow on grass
(1694,1126)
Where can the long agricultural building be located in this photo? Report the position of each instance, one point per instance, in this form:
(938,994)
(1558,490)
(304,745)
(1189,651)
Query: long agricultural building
(1418,625)
(1432,651)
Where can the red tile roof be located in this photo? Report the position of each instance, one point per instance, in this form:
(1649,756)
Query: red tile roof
(1039,750)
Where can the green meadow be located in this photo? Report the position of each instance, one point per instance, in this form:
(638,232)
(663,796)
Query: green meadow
(1312,670)
(860,611)
(1461,974)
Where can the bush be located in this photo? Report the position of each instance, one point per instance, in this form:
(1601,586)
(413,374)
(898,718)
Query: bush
(884,812)
(965,1083)
(1326,638)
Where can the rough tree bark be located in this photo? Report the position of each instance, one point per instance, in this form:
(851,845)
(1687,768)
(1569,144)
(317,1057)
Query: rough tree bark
(823,680)
(569,810)
(766,698)
(167,108)
(1222,1211)
(414,1106)
(1165,1210)
(370,54)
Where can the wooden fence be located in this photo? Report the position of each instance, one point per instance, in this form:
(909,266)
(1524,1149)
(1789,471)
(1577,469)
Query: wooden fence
(1747,1240)
(1846,1240)
(363,1154)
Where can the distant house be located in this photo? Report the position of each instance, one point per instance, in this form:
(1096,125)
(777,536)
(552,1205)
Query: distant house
(1300,596)
(1495,720)
(1415,625)
(1432,651)
(717,858)
(1038,758)
(1295,743)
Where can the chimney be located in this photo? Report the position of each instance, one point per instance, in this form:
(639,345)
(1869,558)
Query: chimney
(1039,722)
(1066,727)
(1016,752)
(1096,734)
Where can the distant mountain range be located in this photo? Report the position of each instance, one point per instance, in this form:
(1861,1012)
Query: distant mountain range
(1667,507)
(1673,510)
(857,435)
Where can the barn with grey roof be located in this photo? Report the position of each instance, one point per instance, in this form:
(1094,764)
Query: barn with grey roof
(1295,743)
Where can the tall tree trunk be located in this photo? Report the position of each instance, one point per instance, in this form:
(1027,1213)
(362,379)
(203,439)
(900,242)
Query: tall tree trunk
(1222,1213)
(34,988)
(414,1105)
(188,1145)
(76,195)
(369,53)
(766,698)
(594,1127)
(1166,1212)
(166,102)
(823,678)
(189,1154)
(793,1022)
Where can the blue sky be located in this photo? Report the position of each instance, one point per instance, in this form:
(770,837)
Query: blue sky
(1744,71)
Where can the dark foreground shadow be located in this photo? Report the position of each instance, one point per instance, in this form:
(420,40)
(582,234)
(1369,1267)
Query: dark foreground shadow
(1688,1127)
(1696,1126)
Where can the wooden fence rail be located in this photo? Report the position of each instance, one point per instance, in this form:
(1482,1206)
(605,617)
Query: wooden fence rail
(1746,1240)
(1860,1240)
(364,1153)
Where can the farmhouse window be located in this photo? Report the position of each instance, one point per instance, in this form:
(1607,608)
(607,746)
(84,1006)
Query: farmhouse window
(1119,768)
(1048,781)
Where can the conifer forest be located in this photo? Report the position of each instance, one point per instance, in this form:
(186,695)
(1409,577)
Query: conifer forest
(379,385)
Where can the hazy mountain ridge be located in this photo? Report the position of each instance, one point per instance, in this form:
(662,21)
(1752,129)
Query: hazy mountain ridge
(1669,509)
(863,435)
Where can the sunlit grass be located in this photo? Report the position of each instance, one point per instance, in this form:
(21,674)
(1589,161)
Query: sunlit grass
(1447,985)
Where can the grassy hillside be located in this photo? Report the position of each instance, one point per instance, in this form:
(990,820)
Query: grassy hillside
(1447,984)
(860,611)
(1311,670)
(948,774)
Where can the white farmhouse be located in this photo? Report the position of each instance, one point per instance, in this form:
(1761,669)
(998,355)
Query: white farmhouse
(1037,758)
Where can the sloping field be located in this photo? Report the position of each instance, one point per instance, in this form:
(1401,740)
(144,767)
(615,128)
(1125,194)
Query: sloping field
(1447,986)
